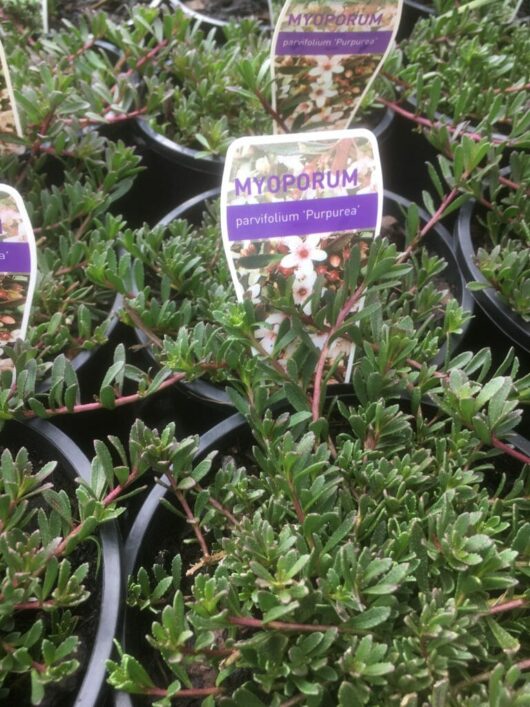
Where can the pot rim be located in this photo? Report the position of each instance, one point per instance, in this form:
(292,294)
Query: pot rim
(492,304)
(93,683)
(215,22)
(193,159)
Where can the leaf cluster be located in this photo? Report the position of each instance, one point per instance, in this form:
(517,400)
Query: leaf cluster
(367,571)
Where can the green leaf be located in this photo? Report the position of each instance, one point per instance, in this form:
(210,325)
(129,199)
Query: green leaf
(506,641)
(340,533)
(278,611)
(374,616)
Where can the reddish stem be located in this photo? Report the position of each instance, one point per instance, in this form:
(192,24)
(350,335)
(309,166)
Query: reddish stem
(319,373)
(194,522)
(513,89)
(510,450)
(512,185)
(147,57)
(109,498)
(86,46)
(446,201)
(181,694)
(32,605)
(483,677)
(218,506)
(508,606)
(119,402)
(426,123)
(297,505)
(248,622)
(106,119)
(39,667)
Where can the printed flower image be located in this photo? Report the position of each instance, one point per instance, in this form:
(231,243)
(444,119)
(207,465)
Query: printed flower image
(13,290)
(11,226)
(292,276)
(314,89)
(7,120)
(13,286)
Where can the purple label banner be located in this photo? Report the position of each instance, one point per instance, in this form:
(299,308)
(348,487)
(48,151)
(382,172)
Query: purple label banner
(332,43)
(15,257)
(302,218)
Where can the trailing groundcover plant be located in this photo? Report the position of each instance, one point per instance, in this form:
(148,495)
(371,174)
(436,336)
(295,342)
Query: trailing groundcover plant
(184,283)
(72,181)
(49,562)
(41,586)
(371,551)
(474,41)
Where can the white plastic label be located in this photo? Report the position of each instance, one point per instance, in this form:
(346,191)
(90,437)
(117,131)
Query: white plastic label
(9,119)
(324,57)
(292,209)
(18,268)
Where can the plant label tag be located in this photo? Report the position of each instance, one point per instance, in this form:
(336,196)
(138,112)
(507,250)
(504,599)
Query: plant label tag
(324,57)
(293,209)
(517,7)
(45,22)
(9,120)
(18,269)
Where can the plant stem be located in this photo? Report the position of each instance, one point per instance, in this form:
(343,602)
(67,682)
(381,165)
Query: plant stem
(109,498)
(219,507)
(193,521)
(39,667)
(296,503)
(347,308)
(147,57)
(248,622)
(139,324)
(86,46)
(484,677)
(119,402)
(509,450)
(446,201)
(426,123)
(513,185)
(182,694)
(507,606)
(293,701)
(35,604)
(270,110)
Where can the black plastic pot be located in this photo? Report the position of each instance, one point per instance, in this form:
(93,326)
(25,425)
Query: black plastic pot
(503,317)
(407,154)
(174,170)
(412,12)
(210,22)
(50,444)
(153,519)
(438,241)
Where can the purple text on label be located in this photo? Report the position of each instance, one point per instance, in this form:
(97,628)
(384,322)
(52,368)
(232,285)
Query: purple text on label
(332,43)
(15,257)
(302,182)
(302,218)
(319,19)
